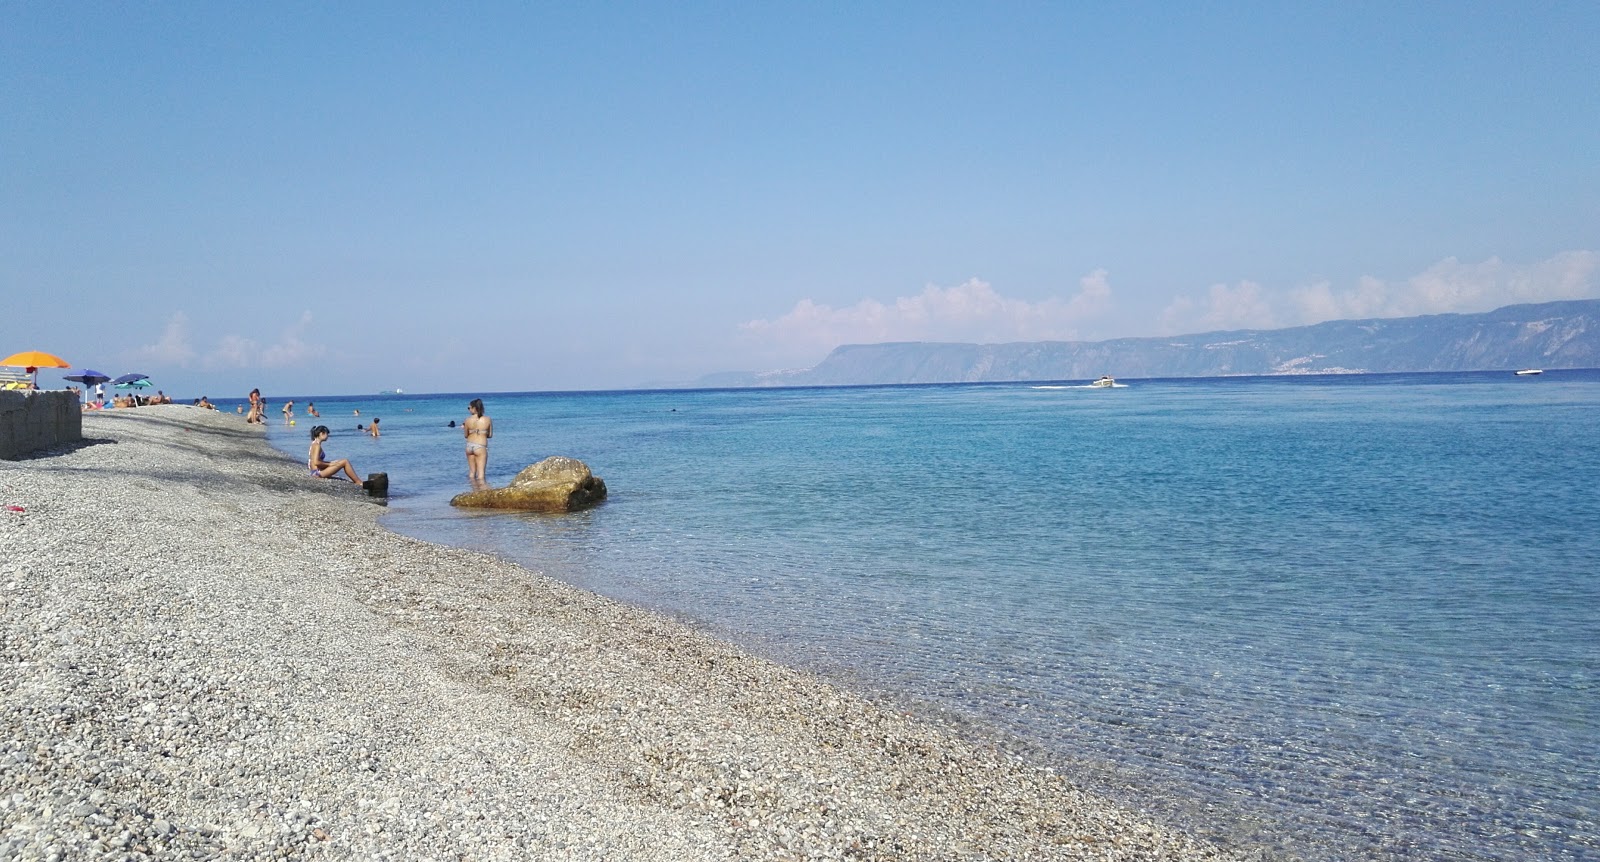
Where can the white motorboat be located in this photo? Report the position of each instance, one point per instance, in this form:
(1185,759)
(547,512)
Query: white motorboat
(1529,372)
(1104,383)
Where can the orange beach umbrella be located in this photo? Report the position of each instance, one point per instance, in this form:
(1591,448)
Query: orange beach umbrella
(33,360)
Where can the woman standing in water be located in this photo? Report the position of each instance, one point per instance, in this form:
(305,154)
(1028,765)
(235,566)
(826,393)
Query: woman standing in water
(257,407)
(478,429)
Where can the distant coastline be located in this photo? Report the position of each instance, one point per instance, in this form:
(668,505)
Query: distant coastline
(1544,335)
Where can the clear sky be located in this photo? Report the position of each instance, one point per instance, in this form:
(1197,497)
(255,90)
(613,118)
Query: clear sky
(331,198)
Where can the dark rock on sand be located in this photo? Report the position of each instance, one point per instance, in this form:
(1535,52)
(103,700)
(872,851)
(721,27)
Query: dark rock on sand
(555,484)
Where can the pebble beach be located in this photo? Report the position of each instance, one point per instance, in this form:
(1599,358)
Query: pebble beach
(206,654)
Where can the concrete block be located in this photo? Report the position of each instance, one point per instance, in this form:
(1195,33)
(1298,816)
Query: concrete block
(30,421)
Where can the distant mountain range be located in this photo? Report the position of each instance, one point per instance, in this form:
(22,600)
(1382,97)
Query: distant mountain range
(1545,335)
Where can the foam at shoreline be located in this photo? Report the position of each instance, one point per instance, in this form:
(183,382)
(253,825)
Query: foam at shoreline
(208,653)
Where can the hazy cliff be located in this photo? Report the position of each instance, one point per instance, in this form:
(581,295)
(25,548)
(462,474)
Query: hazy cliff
(1546,335)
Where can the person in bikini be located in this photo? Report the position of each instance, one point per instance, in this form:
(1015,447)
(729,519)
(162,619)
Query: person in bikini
(478,429)
(321,466)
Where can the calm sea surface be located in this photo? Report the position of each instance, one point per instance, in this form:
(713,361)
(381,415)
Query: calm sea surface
(1323,617)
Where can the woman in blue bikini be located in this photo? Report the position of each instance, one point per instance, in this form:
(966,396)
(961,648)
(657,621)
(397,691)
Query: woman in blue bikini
(318,461)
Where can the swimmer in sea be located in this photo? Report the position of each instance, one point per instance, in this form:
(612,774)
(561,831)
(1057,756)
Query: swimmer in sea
(477,428)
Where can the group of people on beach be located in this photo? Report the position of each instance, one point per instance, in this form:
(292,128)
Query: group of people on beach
(477,428)
(129,400)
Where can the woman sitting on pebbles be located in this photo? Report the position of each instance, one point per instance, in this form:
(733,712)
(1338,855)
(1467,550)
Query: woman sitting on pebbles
(318,461)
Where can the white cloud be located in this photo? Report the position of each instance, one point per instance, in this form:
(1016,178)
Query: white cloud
(971,311)
(291,349)
(1242,306)
(172,348)
(1448,286)
(232,351)
(1093,296)
(175,348)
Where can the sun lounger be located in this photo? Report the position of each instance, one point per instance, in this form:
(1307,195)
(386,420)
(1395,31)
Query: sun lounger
(15,378)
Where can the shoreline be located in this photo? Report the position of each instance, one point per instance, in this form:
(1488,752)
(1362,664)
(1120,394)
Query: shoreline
(209,654)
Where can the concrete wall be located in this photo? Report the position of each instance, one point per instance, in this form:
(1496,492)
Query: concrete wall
(36,420)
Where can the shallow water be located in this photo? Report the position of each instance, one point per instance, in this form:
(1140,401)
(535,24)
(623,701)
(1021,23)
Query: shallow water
(1332,617)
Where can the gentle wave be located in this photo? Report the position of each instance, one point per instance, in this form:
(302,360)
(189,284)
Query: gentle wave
(1325,617)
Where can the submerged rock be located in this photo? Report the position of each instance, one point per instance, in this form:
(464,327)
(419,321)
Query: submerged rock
(555,484)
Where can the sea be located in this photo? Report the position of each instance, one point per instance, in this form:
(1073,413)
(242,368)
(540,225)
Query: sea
(1305,617)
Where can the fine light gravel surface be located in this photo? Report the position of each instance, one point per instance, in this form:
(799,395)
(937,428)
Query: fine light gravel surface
(207,654)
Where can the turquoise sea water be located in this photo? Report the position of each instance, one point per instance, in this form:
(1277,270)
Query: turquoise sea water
(1319,617)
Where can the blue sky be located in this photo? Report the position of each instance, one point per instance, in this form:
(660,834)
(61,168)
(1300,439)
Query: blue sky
(341,198)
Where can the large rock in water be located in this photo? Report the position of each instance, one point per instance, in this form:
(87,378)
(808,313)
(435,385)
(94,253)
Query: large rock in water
(555,484)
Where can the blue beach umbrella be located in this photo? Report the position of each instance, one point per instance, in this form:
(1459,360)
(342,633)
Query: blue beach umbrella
(89,377)
(131,381)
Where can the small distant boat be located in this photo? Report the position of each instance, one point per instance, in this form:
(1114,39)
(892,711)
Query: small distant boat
(1103,383)
(392,392)
(1529,372)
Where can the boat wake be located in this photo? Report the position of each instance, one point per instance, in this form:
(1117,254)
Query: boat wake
(1085,386)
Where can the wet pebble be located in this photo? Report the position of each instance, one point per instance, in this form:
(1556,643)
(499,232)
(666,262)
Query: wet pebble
(205,655)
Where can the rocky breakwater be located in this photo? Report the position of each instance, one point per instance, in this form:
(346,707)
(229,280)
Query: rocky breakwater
(555,484)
